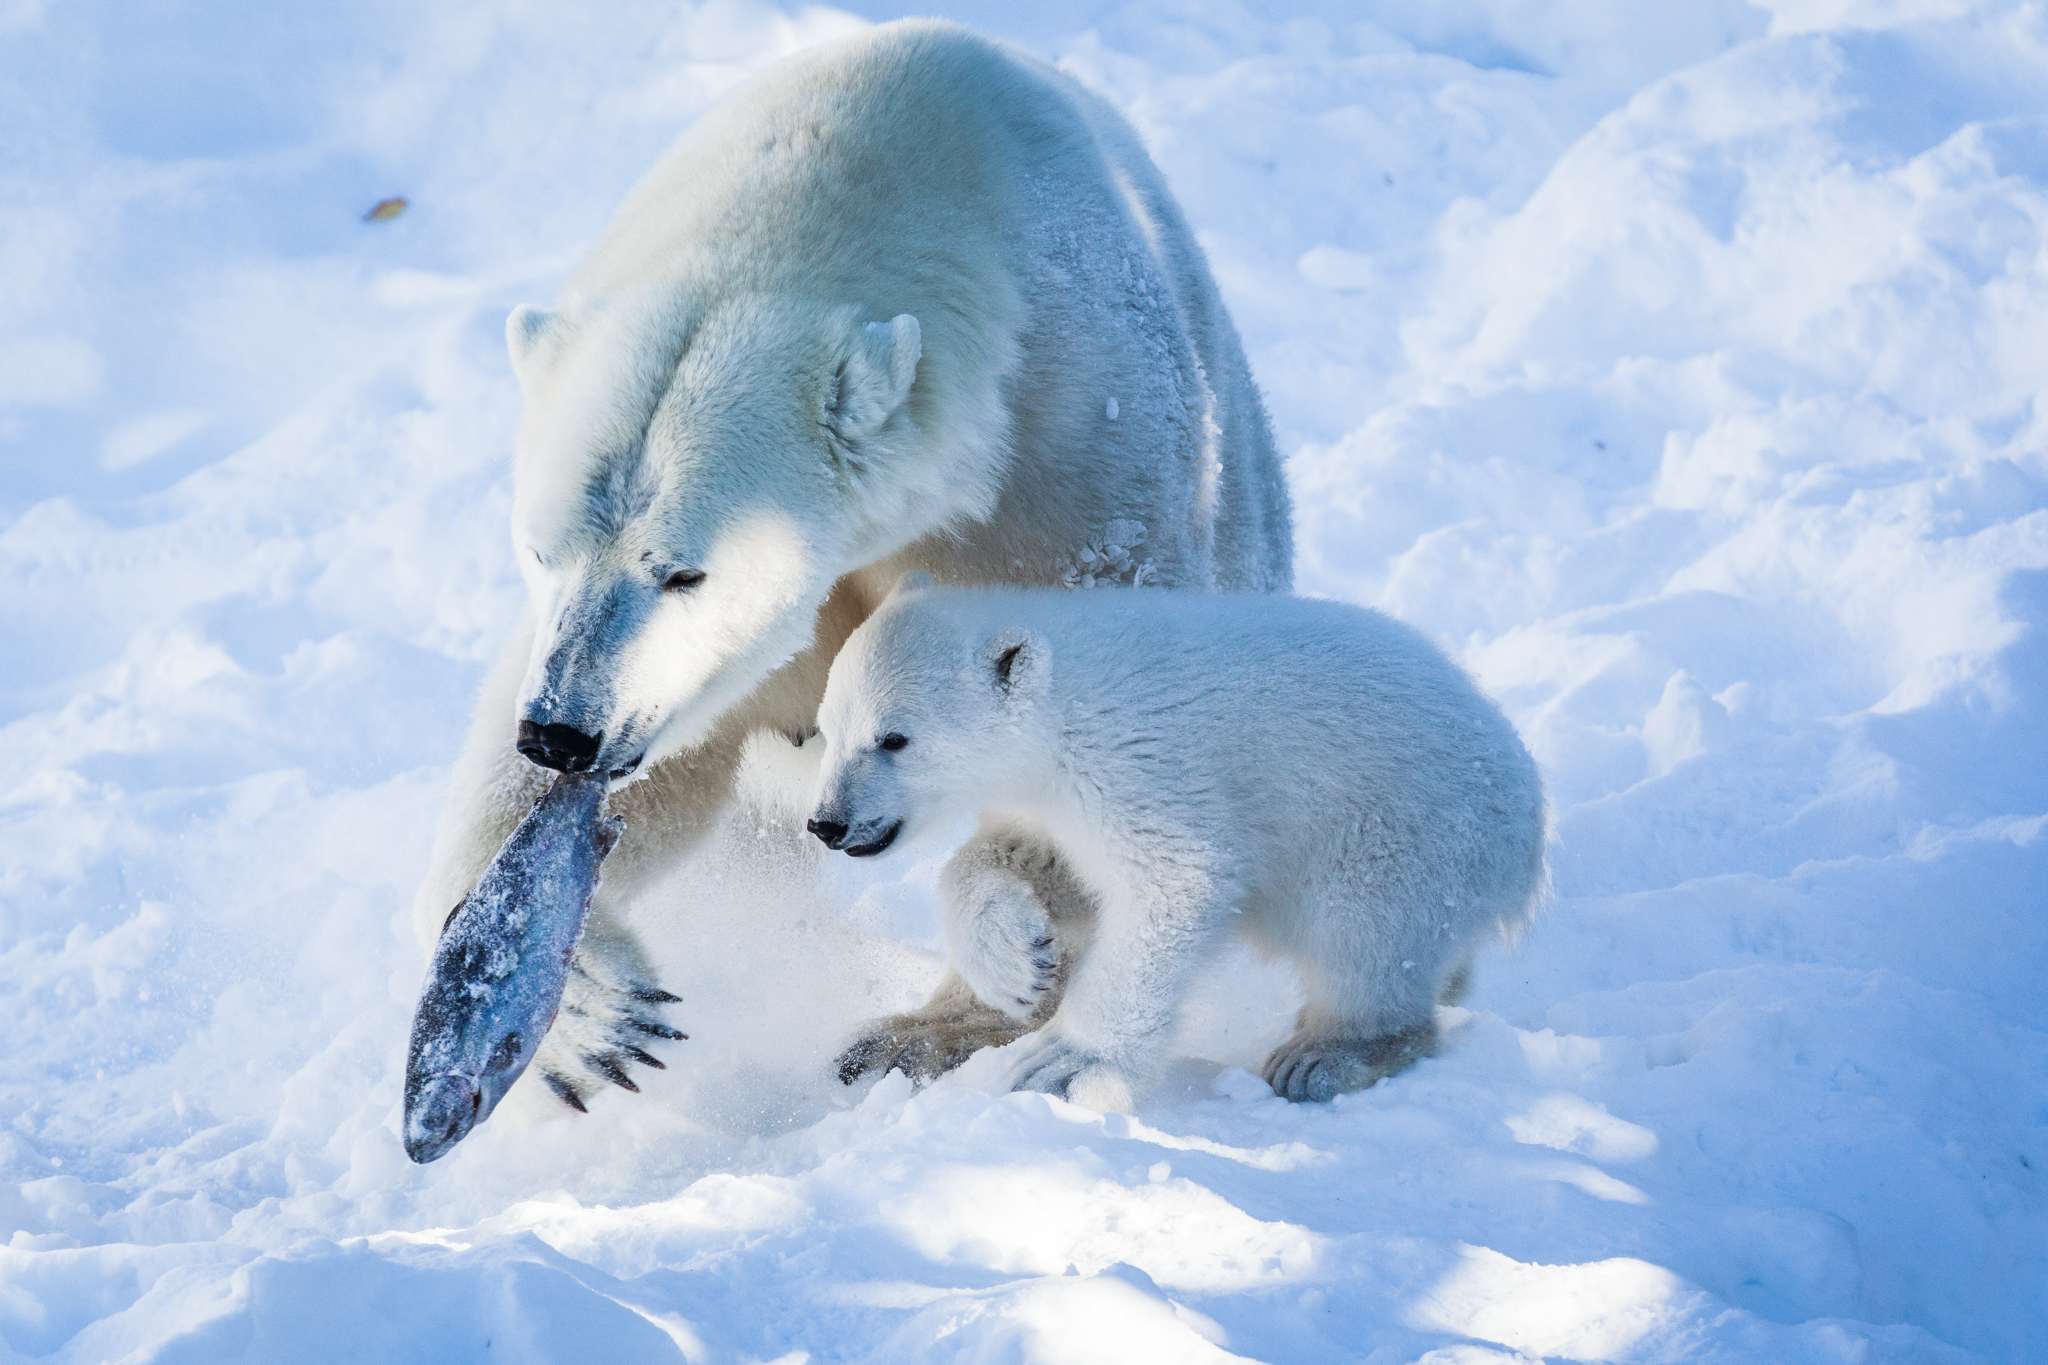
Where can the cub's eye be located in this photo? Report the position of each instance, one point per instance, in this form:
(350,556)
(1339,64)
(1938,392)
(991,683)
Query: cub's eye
(893,741)
(682,579)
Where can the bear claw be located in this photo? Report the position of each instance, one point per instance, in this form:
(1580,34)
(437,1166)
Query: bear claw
(654,995)
(602,1029)
(608,1067)
(565,1092)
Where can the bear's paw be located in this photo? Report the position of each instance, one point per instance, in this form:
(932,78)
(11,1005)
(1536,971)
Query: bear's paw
(603,1029)
(1060,1066)
(1311,1068)
(925,1044)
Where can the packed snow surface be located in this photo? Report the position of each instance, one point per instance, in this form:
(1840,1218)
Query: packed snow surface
(1680,367)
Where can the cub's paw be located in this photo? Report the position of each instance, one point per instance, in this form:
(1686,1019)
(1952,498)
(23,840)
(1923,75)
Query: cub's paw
(1060,1067)
(1013,974)
(604,1028)
(924,1046)
(1312,1068)
(1001,940)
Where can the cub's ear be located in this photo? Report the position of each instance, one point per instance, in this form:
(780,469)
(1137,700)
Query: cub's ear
(526,335)
(917,580)
(874,377)
(1018,663)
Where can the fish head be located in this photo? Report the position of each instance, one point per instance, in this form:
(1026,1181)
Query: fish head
(441,1109)
(440,1114)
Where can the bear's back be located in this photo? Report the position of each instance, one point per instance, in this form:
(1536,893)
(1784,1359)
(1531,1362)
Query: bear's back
(881,155)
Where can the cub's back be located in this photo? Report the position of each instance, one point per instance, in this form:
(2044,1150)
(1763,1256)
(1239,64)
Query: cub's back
(1281,708)
(1272,662)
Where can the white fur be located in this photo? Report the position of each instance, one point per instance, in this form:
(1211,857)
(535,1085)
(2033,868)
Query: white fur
(1313,776)
(864,317)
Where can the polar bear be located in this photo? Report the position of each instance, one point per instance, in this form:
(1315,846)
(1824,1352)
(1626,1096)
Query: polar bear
(911,300)
(1315,777)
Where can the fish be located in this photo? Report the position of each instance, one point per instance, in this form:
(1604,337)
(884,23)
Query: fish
(501,964)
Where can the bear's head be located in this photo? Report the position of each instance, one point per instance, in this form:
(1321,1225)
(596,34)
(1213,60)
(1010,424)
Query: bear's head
(933,706)
(692,477)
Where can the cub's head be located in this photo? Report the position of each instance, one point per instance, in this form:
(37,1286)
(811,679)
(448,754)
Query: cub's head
(931,708)
(692,478)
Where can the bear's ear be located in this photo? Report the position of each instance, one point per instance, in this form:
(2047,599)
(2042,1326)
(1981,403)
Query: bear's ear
(917,580)
(874,377)
(1018,664)
(525,331)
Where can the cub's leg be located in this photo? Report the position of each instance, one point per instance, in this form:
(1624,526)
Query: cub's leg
(1016,918)
(1103,1046)
(999,922)
(1372,996)
(1318,1063)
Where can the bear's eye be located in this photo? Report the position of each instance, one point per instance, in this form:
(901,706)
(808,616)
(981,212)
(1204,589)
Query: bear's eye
(893,741)
(683,579)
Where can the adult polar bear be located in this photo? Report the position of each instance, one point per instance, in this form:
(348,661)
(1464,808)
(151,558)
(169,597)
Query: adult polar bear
(908,301)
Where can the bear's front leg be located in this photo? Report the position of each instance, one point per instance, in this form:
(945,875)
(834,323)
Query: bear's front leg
(611,1008)
(610,1014)
(611,1005)
(927,1042)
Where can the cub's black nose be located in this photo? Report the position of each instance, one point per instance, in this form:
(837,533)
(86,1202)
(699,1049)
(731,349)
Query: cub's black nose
(561,747)
(831,831)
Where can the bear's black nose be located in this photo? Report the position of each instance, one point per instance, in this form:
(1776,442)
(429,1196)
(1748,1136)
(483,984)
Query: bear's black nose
(831,831)
(561,747)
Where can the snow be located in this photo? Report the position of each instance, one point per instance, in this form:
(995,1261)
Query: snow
(1680,368)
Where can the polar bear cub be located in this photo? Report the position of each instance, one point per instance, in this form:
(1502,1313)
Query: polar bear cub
(1317,778)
